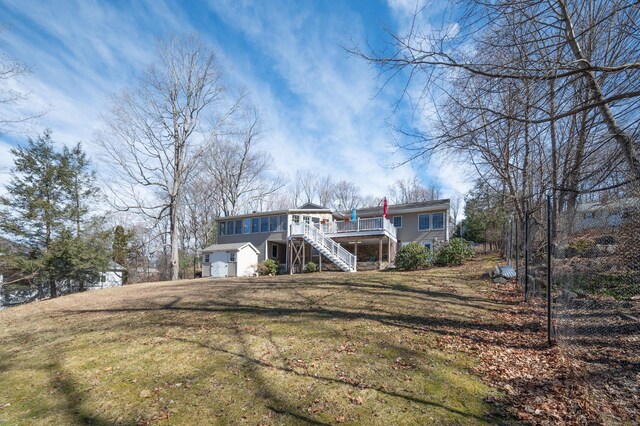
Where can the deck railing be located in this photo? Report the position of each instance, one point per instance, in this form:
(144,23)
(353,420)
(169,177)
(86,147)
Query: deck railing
(334,248)
(360,225)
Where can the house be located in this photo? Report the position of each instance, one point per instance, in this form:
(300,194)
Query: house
(230,260)
(294,237)
(113,276)
(609,213)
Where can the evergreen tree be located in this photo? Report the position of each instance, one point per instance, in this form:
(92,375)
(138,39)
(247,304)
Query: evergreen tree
(34,204)
(121,250)
(79,182)
(47,202)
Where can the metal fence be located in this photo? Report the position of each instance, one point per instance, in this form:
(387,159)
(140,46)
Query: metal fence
(578,255)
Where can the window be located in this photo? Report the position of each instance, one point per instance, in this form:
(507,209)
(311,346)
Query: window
(397,221)
(246,228)
(255,225)
(206,258)
(295,218)
(222,228)
(230,230)
(437,221)
(264,224)
(282,223)
(423,222)
(273,223)
(427,245)
(238,227)
(232,256)
(274,251)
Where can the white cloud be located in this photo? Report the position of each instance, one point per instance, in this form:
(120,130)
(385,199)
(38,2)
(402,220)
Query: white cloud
(334,124)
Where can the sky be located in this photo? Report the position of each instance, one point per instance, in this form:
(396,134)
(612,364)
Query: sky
(322,108)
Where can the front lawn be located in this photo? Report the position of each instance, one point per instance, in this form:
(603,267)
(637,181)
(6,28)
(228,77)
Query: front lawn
(321,348)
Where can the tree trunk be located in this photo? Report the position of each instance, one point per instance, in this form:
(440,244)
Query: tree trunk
(175,237)
(625,142)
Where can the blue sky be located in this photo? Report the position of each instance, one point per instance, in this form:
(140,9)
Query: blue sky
(319,104)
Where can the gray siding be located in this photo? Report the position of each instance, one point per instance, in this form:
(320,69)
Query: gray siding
(409,231)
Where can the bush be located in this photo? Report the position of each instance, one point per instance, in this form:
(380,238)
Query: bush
(311,267)
(412,256)
(454,252)
(582,246)
(268,267)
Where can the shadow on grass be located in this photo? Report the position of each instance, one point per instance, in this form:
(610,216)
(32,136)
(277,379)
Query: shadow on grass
(72,397)
(264,389)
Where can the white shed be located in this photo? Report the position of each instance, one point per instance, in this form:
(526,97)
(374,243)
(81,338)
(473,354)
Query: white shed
(230,260)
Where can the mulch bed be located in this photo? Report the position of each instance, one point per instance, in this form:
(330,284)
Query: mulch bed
(584,384)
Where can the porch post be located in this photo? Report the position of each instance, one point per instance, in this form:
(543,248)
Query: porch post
(388,249)
(290,256)
(319,262)
(355,250)
(380,250)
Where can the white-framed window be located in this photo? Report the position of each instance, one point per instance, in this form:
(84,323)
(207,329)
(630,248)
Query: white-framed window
(222,228)
(428,244)
(437,221)
(206,258)
(232,256)
(274,251)
(424,222)
(397,221)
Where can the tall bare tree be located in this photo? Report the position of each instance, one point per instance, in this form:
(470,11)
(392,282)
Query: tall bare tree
(560,58)
(156,132)
(242,175)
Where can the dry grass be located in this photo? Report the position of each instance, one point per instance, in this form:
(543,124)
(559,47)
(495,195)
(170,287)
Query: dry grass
(318,349)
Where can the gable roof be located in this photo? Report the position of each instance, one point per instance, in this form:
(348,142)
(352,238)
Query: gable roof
(229,247)
(113,266)
(311,206)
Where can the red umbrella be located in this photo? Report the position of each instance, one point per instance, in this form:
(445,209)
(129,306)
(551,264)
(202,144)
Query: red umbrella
(385,208)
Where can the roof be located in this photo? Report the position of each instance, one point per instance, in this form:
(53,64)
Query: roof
(311,206)
(113,266)
(307,208)
(229,247)
(402,208)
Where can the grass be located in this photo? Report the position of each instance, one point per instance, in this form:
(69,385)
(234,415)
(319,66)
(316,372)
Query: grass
(320,348)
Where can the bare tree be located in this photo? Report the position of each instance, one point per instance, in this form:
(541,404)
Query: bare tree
(410,190)
(156,133)
(347,196)
(241,175)
(456,204)
(535,50)
(10,98)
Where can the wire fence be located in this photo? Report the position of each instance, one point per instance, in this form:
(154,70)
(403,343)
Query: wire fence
(579,256)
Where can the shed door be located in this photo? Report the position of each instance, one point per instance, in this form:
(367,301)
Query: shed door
(219,265)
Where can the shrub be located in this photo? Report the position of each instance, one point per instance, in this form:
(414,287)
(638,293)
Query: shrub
(412,256)
(268,267)
(311,267)
(582,246)
(454,252)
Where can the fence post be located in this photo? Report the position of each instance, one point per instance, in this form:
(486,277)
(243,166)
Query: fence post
(526,255)
(549,278)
